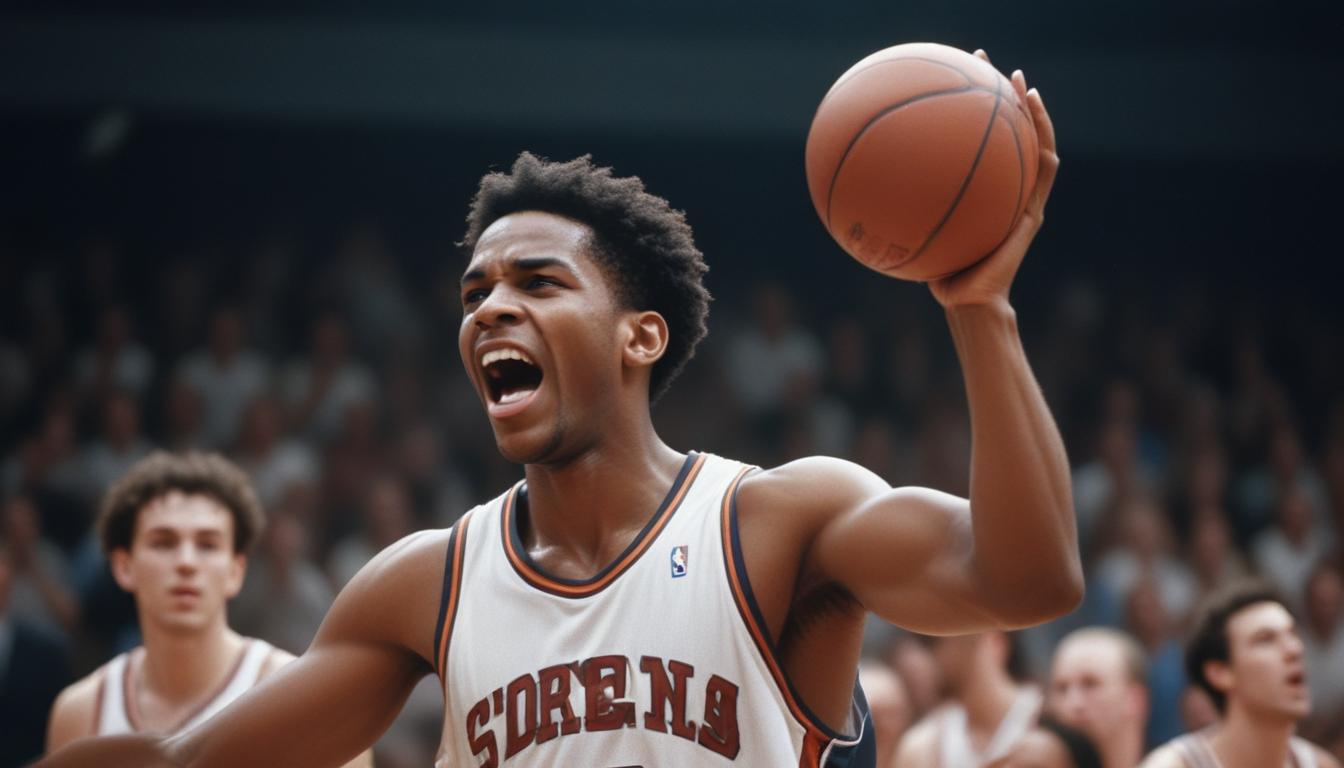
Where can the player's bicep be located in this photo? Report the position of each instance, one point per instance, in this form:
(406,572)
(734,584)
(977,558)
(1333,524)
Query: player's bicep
(906,555)
(331,703)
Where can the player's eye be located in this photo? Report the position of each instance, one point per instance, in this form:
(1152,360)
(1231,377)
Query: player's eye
(541,281)
(473,296)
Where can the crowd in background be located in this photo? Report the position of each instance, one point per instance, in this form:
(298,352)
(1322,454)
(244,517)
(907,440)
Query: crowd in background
(1205,444)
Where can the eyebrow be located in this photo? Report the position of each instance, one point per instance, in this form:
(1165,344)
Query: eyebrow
(522,264)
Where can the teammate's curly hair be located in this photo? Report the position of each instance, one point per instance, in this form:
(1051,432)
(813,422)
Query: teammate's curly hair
(645,246)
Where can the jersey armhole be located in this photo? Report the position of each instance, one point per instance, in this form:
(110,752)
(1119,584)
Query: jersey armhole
(820,739)
(448,599)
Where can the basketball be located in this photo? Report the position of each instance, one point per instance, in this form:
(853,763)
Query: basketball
(920,160)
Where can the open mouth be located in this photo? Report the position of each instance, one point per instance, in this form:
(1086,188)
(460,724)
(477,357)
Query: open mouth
(1297,679)
(510,375)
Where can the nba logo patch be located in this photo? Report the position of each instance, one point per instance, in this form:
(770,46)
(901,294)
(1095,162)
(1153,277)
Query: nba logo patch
(679,561)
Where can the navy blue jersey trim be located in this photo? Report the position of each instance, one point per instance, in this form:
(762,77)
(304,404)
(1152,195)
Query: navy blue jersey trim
(756,616)
(452,571)
(509,523)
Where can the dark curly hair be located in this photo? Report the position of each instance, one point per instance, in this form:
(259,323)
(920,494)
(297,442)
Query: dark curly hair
(161,473)
(1208,639)
(645,246)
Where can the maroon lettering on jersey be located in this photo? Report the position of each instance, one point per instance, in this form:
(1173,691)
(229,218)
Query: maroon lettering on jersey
(719,731)
(519,737)
(554,685)
(603,686)
(664,691)
(483,742)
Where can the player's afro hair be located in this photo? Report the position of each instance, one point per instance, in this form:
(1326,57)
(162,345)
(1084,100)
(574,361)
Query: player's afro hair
(644,246)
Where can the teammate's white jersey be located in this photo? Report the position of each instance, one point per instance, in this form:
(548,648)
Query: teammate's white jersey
(661,659)
(117,710)
(1195,750)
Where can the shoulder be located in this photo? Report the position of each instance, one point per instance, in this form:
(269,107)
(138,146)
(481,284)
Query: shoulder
(815,483)
(1165,756)
(74,714)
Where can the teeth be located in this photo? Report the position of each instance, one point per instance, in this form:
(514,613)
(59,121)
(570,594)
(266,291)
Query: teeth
(514,395)
(496,355)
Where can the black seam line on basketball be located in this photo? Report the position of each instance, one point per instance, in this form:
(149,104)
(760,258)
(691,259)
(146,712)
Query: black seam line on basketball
(969,80)
(966,182)
(830,192)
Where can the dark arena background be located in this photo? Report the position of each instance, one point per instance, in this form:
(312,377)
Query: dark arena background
(290,180)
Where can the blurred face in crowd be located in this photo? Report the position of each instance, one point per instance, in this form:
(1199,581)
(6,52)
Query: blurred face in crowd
(1209,543)
(1325,601)
(1264,674)
(1091,688)
(181,565)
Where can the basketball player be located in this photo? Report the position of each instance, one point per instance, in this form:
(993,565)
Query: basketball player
(987,715)
(1098,685)
(1246,654)
(176,529)
(627,604)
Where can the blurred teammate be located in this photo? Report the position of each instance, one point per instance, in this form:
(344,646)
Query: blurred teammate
(989,711)
(176,529)
(629,604)
(1246,654)
(1098,686)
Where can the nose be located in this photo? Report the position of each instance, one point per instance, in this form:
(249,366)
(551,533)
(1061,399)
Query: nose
(187,558)
(500,307)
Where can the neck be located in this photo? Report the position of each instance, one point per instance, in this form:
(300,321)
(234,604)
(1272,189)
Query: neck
(987,697)
(583,511)
(1121,747)
(183,666)
(1244,740)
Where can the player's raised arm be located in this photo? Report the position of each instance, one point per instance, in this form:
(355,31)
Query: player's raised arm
(332,702)
(1008,557)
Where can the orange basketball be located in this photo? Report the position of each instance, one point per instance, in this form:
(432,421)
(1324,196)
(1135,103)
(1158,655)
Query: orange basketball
(920,160)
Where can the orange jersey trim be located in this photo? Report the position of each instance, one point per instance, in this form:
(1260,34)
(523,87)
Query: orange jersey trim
(452,587)
(817,734)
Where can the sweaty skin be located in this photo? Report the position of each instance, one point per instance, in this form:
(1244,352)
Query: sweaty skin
(819,535)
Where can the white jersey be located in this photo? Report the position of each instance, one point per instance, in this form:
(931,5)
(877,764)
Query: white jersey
(955,749)
(117,710)
(1195,750)
(660,659)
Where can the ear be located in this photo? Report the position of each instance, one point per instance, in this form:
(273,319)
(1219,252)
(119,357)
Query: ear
(645,339)
(1219,674)
(120,561)
(237,572)
(1137,697)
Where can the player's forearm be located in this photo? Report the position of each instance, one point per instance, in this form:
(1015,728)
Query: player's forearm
(131,751)
(1021,500)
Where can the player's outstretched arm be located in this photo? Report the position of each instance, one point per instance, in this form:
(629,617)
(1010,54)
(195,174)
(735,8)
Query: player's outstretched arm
(930,561)
(331,703)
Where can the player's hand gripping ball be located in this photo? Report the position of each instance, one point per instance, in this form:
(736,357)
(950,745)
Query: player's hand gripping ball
(920,160)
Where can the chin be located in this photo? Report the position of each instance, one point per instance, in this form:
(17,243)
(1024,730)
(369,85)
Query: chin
(530,446)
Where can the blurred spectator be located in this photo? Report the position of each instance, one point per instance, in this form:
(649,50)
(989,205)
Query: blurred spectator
(889,705)
(227,374)
(1286,552)
(285,596)
(987,711)
(381,311)
(116,362)
(1261,488)
(881,449)
(1323,647)
(943,444)
(320,388)
(275,463)
(1212,557)
(1147,620)
(1115,474)
(33,670)
(1052,744)
(765,358)
(118,447)
(183,427)
(15,380)
(439,494)
(48,467)
(912,659)
(350,465)
(386,518)
(37,577)
(1146,552)
(1099,685)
